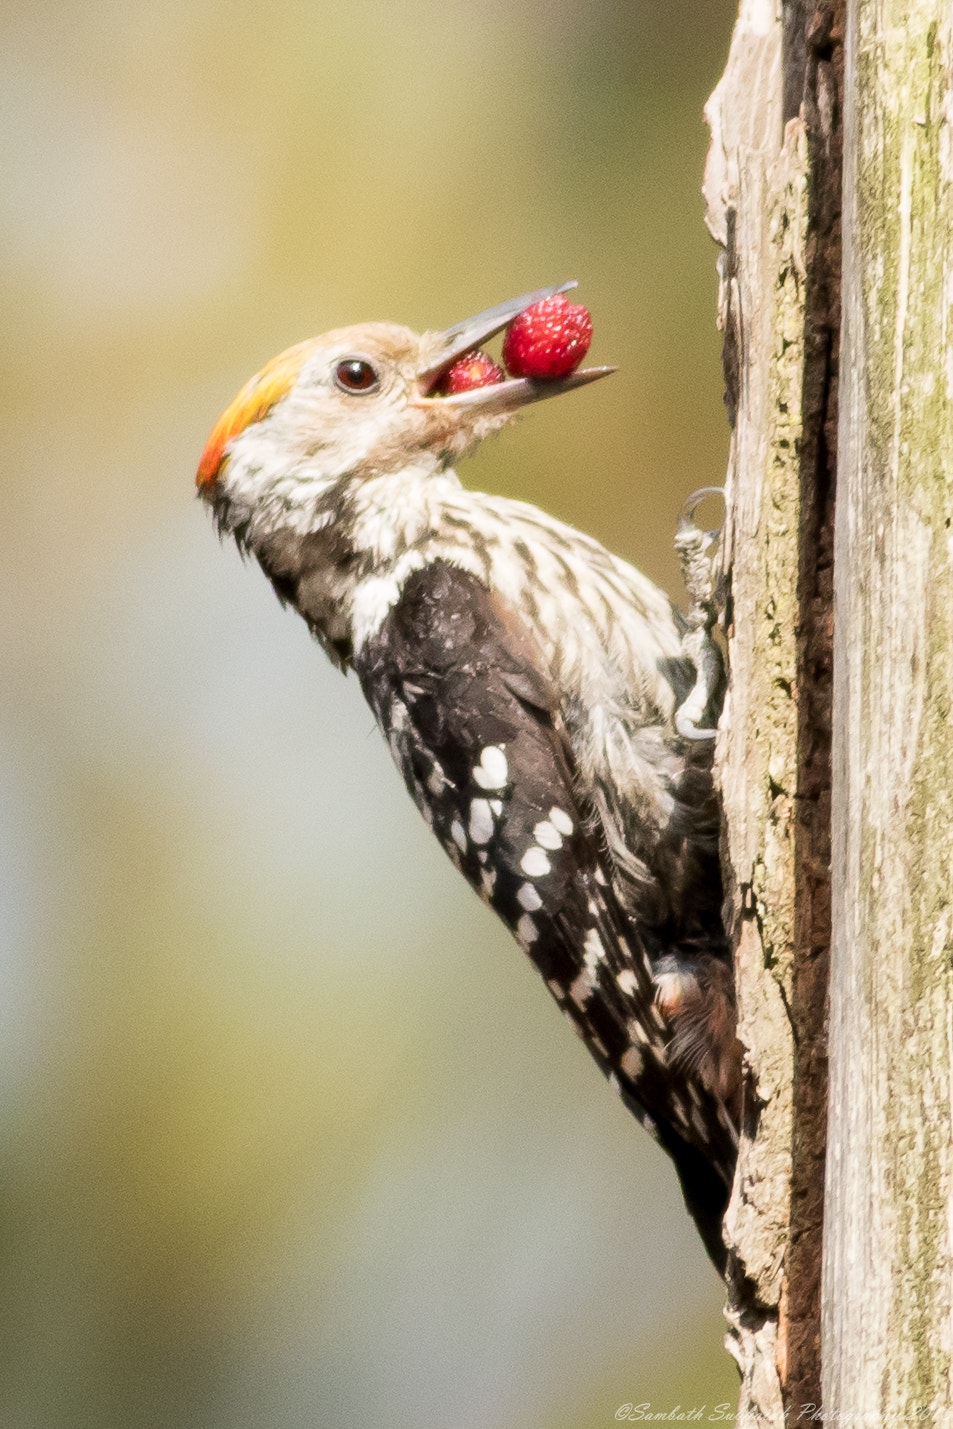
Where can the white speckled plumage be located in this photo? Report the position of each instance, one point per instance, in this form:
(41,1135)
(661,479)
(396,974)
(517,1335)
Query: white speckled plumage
(348,500)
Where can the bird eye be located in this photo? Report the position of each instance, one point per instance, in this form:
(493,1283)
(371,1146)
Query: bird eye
(355,374)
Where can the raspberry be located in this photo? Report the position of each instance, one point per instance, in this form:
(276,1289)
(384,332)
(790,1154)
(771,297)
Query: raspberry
(547,340)
(473,369)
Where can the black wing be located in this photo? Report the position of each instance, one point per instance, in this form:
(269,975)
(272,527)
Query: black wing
(455,682)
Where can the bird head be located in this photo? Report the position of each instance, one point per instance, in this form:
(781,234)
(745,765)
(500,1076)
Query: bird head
(359,402)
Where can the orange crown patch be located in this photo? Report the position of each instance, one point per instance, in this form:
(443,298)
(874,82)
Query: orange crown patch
(253,402)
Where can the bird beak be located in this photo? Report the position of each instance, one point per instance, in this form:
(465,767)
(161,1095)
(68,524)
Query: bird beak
(442,349)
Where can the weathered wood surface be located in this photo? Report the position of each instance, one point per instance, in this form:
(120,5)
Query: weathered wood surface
(754,194)
(770,211)
(888,1273)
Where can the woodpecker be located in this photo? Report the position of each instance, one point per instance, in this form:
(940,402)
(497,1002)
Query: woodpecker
(528,684)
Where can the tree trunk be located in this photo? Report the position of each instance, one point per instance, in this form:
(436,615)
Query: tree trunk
(888,1275)
(773,193)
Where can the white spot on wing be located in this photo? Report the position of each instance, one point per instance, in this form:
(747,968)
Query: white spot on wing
(526,929)
(528,898)
(593,949)
(534,863)
(492,771)
(436,780)
(547,835)
(481,821)
(632,1063)
(397,715)
(560,820)
(581,989)
(459,835)
(627,982)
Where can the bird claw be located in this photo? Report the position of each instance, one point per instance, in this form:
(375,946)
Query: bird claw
(686,520)
(704,586)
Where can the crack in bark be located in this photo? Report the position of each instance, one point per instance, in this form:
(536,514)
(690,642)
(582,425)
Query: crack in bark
(822,28)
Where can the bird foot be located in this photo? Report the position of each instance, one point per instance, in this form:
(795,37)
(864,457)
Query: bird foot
(698,554)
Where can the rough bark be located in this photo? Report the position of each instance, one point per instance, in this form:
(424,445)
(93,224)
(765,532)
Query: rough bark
(888,1275)
(772,188)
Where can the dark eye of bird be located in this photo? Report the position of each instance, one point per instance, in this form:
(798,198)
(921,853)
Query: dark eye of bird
(355,374)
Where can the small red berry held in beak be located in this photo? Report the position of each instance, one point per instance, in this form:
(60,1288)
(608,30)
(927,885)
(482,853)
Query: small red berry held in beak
(548,340)
(474,369)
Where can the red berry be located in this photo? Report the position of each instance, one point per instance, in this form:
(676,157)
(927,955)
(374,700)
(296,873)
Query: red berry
(548,340)
(473,369)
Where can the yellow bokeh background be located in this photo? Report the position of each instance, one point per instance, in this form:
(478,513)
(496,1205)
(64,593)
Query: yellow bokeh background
(292,1137)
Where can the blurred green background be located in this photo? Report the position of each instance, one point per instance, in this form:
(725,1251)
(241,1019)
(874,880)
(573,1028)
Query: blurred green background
(292,1137)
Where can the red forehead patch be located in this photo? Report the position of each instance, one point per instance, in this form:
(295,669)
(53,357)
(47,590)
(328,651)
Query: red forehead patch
(253,402)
